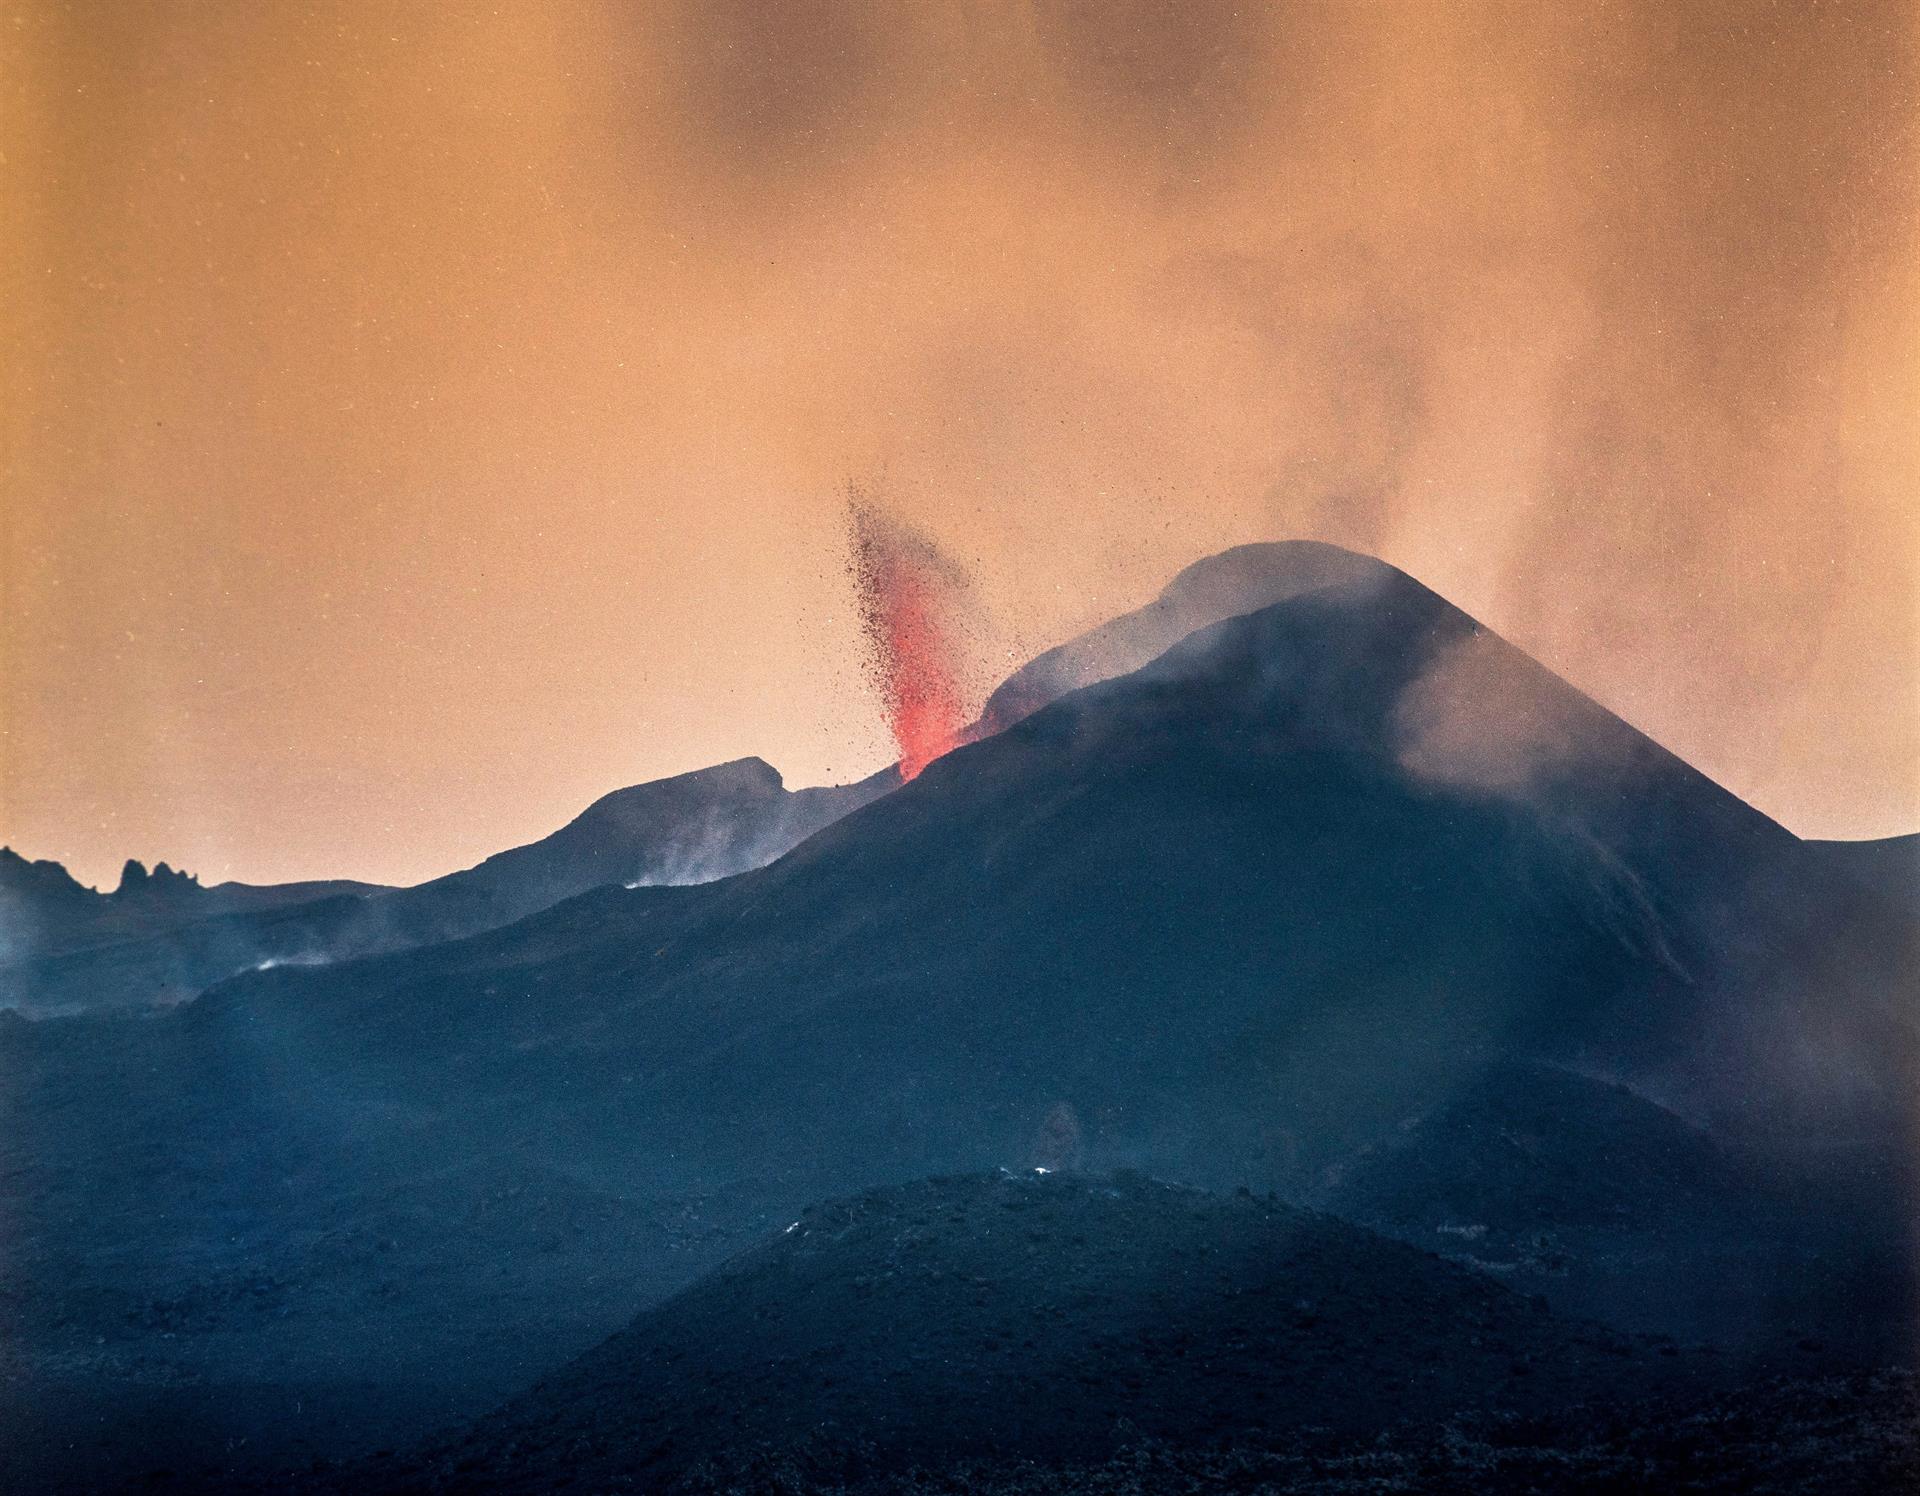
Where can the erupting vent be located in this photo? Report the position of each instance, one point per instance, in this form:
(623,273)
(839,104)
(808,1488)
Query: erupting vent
(909,596)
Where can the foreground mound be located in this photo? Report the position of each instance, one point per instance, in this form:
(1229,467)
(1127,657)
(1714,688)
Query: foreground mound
(1612,1207)
(1855,1435)
(1045,1317)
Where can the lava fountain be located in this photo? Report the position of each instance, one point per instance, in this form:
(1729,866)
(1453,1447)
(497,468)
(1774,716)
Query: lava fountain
(911,598)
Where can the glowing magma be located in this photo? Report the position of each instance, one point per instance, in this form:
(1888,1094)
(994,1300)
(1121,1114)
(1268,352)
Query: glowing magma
(908,593)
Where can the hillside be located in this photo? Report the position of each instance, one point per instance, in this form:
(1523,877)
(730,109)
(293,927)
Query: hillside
(1042,1317)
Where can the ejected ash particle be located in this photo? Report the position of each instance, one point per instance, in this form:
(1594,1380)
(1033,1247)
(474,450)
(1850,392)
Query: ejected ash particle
(911,598)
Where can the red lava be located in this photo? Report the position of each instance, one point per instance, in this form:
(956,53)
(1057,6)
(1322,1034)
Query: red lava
(908,592)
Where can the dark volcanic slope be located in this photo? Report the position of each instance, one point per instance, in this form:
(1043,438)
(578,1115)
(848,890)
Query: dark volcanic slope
(1053,1317)
(1586,1193)
(1526,1147)
(1242,580)
(692,828)
(1890,866)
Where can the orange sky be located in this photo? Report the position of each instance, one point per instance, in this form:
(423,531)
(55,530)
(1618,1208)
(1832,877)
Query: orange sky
(419,420)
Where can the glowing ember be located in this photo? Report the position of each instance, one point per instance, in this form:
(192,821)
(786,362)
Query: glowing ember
(908,593)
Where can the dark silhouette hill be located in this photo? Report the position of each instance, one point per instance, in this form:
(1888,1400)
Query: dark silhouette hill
(45,911)
(1587,1194)
(161,938)
(1034,1317)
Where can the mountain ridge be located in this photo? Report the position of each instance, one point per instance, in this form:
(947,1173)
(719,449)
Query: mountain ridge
(751,816)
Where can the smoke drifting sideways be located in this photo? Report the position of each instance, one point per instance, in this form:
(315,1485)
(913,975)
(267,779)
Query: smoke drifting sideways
(913,601)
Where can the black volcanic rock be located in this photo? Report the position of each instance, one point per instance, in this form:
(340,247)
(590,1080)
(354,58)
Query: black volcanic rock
(35,897)
(158,938)
(162,883)
(688,829)
(1029,1317)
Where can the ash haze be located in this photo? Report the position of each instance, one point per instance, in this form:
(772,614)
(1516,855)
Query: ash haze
(418,421)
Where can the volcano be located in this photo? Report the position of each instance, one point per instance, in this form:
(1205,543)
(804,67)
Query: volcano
(164,939)
(1307,882)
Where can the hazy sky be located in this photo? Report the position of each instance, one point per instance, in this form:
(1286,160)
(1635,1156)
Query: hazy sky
(419,420)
